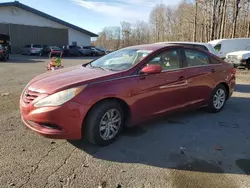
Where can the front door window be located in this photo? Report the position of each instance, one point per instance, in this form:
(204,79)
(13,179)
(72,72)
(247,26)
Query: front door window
(169,60)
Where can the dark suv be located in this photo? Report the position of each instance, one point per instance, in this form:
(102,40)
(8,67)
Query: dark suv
(4,53)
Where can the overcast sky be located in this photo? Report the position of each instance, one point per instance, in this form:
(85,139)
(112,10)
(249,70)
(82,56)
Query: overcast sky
(94,15)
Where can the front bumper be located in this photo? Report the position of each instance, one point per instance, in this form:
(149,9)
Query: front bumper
(236,62)
(63,122)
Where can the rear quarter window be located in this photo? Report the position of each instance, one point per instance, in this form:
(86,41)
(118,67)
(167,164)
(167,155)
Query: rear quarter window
(214,61)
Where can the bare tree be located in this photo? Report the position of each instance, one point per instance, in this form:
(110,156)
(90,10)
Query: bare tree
(199,20)
(236,12)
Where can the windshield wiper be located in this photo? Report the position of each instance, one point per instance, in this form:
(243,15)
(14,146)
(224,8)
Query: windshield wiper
(99,67)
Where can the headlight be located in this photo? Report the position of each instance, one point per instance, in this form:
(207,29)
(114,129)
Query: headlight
(59,98)
(239,57)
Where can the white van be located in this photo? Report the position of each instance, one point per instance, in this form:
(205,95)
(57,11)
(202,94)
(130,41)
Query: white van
(225,46)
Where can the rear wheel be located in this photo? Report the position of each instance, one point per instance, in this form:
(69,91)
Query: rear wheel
(104,123)
(218,99)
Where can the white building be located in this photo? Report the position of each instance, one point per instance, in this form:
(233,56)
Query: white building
(25,25)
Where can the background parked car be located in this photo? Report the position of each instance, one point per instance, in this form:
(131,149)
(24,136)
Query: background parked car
(48,49)
(86,50)
(31,49)
(102,49)
(4,53)
(97,52)
(225,46)
(239,58)
(74,50)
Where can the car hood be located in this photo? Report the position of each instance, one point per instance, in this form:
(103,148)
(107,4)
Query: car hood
(54,81)
(239,52)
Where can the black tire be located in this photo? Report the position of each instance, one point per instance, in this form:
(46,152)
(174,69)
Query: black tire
(5,58)
(211,104)
(91,129)
(248,64)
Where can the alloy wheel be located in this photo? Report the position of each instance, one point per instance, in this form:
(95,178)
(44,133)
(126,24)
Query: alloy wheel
(219,98)
(110,124)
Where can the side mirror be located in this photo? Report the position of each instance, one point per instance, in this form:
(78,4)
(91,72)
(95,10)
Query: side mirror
(152,69)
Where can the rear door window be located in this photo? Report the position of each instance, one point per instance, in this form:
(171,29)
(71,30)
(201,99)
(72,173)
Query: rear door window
(196,58)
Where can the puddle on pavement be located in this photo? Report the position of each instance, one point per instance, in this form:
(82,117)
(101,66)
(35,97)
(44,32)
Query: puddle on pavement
(199,166)
(134,131)
(244,165)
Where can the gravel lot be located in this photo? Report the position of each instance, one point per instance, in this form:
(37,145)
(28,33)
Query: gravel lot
(216,146)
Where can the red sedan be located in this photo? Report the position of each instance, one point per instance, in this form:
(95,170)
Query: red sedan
(124,88)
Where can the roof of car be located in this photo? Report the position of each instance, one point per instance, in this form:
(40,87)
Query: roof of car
(153,46)
(183,42)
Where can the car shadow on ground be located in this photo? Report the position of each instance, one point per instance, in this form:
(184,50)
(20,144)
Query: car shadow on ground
(16,58)
(193,141)
(242,88)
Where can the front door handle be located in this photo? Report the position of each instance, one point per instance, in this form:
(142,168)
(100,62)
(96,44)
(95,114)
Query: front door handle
(182,78)
(212,70)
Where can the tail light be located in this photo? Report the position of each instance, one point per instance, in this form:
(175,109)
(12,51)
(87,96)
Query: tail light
(1,51)
(33,49)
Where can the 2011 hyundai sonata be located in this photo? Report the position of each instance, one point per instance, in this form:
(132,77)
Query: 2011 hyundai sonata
(124,88)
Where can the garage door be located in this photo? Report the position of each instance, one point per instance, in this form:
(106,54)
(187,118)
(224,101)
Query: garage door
(21,35)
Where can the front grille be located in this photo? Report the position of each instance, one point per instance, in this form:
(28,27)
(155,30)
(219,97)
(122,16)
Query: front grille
(29,96)
(51,126)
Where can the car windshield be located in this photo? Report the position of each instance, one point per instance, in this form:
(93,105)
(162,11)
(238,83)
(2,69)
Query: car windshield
(121,59)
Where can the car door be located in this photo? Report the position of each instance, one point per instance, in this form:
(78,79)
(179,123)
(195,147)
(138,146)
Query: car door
(200,72)
(159,93)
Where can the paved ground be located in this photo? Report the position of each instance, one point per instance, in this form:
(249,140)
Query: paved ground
(216,145)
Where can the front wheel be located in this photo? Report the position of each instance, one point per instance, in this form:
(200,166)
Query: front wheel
(218,99)
(104,123)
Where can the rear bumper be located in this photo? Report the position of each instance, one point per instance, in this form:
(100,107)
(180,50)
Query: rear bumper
(232,84)
(35,51)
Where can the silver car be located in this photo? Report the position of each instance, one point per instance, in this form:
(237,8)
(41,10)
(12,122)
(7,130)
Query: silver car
(31,49)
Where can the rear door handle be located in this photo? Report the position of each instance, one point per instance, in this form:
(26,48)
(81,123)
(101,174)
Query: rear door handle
(181,78)
(212,70)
